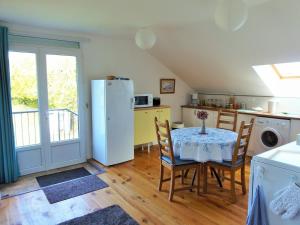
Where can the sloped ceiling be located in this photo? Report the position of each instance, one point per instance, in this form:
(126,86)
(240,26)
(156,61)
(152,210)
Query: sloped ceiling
(189,43)
(213,60)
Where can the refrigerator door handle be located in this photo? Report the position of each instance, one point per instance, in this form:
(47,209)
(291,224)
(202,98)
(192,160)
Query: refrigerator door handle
(132,102)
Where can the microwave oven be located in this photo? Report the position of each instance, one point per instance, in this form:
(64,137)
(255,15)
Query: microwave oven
(143,100)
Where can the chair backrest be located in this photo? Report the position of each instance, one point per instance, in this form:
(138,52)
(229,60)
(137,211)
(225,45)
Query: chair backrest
(227,119)
(164,139)
(243,139)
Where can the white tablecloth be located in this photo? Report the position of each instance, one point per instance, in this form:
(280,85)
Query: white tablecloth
(216,145)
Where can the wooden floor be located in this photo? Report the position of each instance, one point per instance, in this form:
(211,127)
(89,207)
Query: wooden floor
(133,186)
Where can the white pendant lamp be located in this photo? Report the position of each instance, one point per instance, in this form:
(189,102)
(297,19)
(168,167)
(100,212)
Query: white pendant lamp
(231,15)
(145,38)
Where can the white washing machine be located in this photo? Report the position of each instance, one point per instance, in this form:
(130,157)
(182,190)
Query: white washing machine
(268,133)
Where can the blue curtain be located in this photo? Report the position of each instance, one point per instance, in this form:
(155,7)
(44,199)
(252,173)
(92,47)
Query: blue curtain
(8,163)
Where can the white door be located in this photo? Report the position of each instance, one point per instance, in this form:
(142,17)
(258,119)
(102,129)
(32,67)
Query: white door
(46,95)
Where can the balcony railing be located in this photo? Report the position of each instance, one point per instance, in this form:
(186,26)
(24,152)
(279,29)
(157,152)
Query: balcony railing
(63,126)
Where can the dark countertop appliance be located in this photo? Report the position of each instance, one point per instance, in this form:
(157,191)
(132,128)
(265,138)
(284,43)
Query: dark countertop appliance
(156,101)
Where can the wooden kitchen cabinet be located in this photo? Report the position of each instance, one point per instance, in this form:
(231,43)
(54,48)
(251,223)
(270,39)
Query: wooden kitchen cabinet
(144,129)
(163,114)
(143,126)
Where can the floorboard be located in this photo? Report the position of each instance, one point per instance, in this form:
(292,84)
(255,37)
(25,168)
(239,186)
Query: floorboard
(133,186)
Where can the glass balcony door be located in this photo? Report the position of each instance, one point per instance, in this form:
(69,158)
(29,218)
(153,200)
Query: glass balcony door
(46,114)
(62,97)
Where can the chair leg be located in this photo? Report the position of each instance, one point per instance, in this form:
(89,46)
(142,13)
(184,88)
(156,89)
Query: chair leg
(172,184)
(161,177)
(232,185)
(205,178)
(243,181)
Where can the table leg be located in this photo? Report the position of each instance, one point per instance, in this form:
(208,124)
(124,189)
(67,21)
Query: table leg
(194,176)
(217,176)
(186,173)
(214,172)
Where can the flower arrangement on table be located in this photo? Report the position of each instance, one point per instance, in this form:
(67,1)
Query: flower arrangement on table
(202,115)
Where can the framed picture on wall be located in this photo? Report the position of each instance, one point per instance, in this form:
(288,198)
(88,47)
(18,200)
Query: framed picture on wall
(167,86)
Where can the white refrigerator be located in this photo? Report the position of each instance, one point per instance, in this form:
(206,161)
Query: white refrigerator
(112,121)
(274,170)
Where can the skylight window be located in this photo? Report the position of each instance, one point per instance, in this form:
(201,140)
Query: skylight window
(282,79)
(287,70)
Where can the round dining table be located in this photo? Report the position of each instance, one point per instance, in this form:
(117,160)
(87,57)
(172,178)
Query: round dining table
(216,145)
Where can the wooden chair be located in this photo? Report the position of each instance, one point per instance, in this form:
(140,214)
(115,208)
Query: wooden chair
(238,160)
(227,119)
(169,161)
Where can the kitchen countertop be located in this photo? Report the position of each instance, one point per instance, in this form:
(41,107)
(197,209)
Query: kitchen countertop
(152,107)
(249,112)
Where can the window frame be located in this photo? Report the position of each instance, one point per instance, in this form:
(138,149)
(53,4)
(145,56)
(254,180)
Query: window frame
(282,76)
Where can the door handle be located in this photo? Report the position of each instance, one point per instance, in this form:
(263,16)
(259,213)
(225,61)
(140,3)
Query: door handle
(47,115)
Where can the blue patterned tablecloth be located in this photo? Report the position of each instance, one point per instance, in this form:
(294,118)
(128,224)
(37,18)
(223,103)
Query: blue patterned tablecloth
(216,145)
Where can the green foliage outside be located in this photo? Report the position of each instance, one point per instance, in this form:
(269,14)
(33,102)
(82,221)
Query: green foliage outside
(61,78)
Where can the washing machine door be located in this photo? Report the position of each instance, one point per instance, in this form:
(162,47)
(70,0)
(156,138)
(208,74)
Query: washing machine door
(270,138)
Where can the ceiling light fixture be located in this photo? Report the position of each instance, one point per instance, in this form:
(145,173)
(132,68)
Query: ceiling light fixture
(145,38)
(231,15)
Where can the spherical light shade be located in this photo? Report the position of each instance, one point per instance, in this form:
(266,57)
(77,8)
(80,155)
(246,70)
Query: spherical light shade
(231,15)
(145,38)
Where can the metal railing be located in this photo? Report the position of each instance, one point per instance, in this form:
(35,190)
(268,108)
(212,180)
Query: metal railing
(63,126)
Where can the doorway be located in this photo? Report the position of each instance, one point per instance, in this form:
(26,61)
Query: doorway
(46,99)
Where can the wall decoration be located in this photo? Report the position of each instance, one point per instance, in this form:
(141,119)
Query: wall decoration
(167,86)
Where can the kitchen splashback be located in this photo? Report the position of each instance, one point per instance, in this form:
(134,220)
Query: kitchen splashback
(288,105)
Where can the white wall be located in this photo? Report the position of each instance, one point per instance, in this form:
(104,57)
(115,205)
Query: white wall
(105,56)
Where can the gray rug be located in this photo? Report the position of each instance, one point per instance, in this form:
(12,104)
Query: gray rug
(113,215)
(60,177)
(70,189)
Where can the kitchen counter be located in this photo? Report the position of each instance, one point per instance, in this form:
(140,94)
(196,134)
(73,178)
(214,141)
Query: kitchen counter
(152,107)
(249,112)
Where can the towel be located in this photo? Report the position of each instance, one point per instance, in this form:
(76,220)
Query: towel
(257,213)
(287,202)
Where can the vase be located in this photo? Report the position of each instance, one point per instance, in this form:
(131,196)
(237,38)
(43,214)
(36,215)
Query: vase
(203,131)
